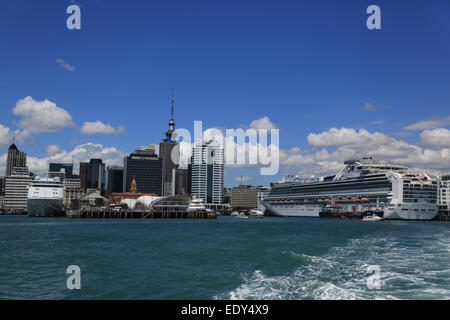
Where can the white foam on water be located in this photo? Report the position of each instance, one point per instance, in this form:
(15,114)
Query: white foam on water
(258,286)
(407,272)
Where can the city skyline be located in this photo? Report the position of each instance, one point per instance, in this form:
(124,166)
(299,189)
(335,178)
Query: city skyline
(263,70)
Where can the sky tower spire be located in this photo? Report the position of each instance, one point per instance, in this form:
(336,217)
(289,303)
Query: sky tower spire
(171,123)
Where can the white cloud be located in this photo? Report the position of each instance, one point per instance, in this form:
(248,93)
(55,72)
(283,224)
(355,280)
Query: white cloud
(372,107)
(53,149)
(7,136)
(436,138)
(99,127)
(346,136)
(429,124)
(369,107)
(41,116)
(65,65)
(262,123)
(347,143)
(81,153)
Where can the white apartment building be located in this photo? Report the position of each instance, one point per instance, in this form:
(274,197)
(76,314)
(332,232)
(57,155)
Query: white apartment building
(16,189)
(207,172)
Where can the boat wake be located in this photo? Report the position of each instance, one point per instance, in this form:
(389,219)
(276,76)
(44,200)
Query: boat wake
(342,273)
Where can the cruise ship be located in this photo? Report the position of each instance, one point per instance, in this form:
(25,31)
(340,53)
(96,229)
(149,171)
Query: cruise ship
(45,198)
(362,185)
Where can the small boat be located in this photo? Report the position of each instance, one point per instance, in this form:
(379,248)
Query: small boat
(372,218)
(256,213)
(6,213)
(242,216)
(234,214)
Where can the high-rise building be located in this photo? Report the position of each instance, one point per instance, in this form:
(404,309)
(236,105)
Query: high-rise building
(183,180)
(15,158)
(61,170)
(207,171)
(91,174)
(16,188)
(169,152)
(114,180)
(146,169)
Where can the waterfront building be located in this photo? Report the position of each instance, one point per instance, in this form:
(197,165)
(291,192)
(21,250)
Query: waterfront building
(207,172)
(244,197)
(93,199)
(16,188)
(444,198)
(15,158)
(114,180)
(91,174)
(145,168)
(72,191)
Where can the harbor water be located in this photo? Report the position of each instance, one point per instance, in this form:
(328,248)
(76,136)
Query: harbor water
(224,258)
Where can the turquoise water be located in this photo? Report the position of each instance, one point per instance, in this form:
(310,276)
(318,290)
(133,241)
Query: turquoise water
(226,258)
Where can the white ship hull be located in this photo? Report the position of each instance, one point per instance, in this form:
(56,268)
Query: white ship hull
(300,211)
(45,207)
(406,211)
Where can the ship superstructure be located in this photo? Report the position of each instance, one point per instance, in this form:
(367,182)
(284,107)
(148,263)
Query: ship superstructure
(45,197)
(362,185)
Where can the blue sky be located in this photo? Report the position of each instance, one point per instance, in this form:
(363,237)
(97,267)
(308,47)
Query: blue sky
(308,66)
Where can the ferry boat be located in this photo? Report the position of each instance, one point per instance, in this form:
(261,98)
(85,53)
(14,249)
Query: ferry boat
(198,205)
(365,183)
(45,198)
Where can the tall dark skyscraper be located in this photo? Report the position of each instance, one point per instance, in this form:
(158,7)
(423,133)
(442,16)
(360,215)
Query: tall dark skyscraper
(169,152)
(145,167)
(114,180)
(183,180)
(91,174)
(15,158)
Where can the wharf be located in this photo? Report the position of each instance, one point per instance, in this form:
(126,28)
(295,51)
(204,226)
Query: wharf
(106,213)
